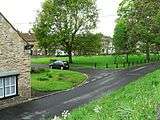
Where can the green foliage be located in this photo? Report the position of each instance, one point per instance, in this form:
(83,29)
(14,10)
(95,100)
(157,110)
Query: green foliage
(142,21)
(88,44)
(120,37)
(136,101)
(55,80)
(61,20)
(43,78)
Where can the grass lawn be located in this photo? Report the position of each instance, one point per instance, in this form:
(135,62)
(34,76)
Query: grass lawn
(46,60)
(56,80)
(137,101)
(89,61)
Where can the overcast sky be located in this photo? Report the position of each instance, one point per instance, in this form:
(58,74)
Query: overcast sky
(22,14)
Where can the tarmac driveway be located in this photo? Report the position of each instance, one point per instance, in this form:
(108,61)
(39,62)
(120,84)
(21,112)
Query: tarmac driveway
(97,85)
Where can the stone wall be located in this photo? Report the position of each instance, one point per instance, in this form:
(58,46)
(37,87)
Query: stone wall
(13,57)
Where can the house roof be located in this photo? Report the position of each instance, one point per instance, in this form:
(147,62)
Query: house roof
(12,27)
(29,37)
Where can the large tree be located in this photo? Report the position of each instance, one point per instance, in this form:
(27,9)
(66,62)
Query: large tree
(123,43)
(61,20)
(141,16)
(120,38)
(88,44)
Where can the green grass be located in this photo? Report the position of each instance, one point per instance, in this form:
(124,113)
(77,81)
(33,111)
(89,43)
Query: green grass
(56,80)
(89,61)
(45,60)
(137,101)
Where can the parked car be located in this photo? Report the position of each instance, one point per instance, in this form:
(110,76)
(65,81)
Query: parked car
(58,64)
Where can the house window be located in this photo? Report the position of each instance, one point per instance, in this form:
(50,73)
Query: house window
(8,86)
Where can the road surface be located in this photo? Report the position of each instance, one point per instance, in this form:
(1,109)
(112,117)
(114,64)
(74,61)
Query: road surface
(95,87)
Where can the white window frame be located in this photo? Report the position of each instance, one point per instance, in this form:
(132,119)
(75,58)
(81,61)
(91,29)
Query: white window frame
(2,87)
(10,85)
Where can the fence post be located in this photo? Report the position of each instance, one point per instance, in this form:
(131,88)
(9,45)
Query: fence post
(124,64)
(116,65)
(128,64)
(106,65)
(95,65)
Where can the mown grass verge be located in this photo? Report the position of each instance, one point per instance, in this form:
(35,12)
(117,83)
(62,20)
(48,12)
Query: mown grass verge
(108,61)
(137,101)
(55,80)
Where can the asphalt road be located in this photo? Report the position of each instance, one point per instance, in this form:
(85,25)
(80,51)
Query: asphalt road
(96,86)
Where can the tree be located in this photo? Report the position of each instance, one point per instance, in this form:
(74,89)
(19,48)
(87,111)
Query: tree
(62,20)
(121,41)
(88,44)
(120,36)
(140,16)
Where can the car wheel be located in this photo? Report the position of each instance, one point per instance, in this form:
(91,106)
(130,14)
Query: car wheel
(62,68)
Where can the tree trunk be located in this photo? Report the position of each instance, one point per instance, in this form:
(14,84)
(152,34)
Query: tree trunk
(70,56)
(46,51)
(147,52)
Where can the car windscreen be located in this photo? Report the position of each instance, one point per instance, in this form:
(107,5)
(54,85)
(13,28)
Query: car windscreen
(58,63)
(66,63)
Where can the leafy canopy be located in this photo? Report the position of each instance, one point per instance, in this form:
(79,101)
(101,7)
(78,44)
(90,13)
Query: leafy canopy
(61,20)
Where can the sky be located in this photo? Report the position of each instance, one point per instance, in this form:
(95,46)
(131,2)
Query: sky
(22,14)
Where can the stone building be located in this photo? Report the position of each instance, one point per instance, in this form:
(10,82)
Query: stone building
(15,86)
(31,39)
(107,46)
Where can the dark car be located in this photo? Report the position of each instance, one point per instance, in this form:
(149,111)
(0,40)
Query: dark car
(57,64)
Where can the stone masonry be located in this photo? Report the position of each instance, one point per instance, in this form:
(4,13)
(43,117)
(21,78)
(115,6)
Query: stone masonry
(14,58)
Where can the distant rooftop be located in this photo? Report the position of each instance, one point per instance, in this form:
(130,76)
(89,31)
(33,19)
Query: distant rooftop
(29,37)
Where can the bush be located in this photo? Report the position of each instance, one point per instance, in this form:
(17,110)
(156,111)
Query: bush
(61,76)
(40,70)
(49,75)
(43,78)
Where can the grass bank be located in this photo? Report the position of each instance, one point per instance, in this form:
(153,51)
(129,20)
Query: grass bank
(101,61)
(137,101)
(55,80)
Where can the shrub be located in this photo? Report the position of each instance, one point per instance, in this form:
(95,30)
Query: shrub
(43,78)
(49,75)
(40,70)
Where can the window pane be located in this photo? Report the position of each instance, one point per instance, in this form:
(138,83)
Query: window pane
(1,93)
(9,88)
(7,91)
(13,80)
(13,90)
(7,82)
(1,82)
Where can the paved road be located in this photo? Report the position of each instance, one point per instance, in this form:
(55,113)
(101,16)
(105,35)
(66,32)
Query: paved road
(95,87)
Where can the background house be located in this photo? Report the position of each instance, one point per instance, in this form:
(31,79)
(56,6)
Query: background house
(15,86)
(107,46)
(31,39)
